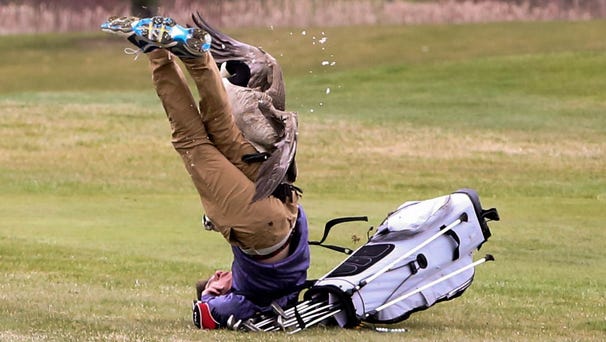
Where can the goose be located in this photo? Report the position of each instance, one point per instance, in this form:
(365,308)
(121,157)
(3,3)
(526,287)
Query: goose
(253,67)
(255,87)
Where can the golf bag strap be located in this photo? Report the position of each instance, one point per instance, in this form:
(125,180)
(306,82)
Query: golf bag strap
(343,250)
(490,214)
(285,191)
(333,223)
(255,157)
(300,320)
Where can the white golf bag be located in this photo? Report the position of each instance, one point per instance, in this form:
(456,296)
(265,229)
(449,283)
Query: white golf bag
(421,254)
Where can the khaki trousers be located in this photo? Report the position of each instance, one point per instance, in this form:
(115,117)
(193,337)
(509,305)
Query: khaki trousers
(212,146)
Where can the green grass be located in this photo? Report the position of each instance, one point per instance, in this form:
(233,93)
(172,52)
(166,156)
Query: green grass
(100,236)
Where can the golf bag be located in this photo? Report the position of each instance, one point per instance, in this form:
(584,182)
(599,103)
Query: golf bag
(421,254)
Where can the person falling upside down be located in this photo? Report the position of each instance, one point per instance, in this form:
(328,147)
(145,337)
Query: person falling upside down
(247,192)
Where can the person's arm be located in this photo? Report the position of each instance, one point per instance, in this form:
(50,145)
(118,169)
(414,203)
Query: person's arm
(213,311)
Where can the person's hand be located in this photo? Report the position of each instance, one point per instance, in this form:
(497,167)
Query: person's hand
(218,284)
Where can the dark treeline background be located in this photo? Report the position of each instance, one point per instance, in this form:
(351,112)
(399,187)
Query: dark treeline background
(33,16)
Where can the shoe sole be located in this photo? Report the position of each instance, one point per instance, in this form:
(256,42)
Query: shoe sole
(198,43)
(181,41)
(156,29)
(119,25)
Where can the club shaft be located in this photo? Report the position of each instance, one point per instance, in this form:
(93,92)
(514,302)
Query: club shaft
(301,309)
(304,306)
(308,314)
(320,319)
(305,316)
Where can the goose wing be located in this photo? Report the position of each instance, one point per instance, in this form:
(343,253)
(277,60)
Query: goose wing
(250,109)
(280,166)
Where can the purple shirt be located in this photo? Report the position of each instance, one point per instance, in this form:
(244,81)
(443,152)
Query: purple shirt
(255,285)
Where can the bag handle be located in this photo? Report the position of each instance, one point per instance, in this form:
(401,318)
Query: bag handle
(333,223)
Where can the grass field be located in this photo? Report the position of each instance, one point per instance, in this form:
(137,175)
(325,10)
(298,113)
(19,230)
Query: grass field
(99,224)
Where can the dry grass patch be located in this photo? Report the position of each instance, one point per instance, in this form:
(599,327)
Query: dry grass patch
(406,140)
